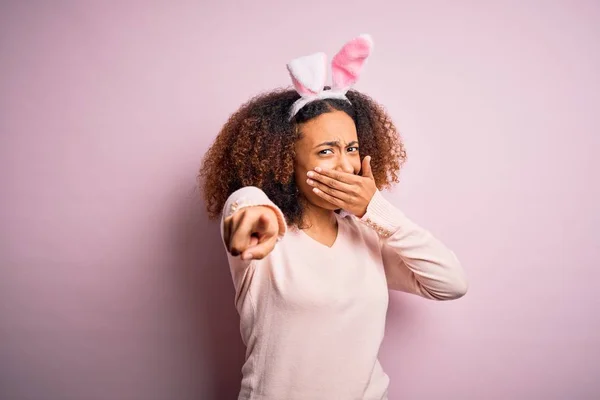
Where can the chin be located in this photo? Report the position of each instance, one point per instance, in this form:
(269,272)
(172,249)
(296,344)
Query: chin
(328,206)
(315,200)
(319,202)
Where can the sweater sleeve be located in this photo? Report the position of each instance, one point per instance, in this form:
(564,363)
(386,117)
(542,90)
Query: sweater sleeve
(248,196)
(414,260)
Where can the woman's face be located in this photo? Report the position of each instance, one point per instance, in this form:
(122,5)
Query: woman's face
(327,141)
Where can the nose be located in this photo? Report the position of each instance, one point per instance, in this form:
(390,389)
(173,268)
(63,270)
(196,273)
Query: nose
(345,165)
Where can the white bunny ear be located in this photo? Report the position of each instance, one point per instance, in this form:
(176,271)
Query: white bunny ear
(309,73)
(348,63)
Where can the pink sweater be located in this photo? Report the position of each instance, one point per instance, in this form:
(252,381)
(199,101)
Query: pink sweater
(313,317)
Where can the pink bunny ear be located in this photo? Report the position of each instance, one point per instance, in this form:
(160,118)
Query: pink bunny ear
(349,61)
(309,73)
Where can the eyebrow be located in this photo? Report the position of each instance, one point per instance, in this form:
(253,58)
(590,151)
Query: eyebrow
(336,143)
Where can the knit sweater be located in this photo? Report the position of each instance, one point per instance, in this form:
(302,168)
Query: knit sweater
(312,317)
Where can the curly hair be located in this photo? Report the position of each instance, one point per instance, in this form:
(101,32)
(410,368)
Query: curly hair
(256,147)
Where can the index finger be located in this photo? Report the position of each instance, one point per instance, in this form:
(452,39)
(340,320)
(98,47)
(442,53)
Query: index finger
(338,175)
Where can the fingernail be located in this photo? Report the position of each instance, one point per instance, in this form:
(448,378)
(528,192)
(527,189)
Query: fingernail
(318,169)
(311,174)
(247,257)
(310,182)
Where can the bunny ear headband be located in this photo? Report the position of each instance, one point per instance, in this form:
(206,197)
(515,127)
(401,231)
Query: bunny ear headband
(309,73)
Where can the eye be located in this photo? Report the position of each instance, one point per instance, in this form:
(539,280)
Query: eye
(324,152)
(352,149)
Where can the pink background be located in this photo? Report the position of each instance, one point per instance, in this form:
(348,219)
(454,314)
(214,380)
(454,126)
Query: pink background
(114,285)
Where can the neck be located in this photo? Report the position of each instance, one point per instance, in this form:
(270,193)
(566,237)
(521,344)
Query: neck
(318,219)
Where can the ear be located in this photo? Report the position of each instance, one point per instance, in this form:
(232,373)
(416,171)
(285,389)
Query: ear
(309,73)
(347,64)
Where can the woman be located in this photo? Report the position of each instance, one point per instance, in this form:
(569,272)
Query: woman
(313,246)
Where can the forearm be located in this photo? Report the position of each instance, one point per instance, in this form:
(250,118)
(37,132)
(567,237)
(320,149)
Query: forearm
(415,260)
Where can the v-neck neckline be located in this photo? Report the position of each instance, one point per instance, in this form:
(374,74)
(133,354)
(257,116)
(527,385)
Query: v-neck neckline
(323,245)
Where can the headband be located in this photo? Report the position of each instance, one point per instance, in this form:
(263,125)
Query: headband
(309,73)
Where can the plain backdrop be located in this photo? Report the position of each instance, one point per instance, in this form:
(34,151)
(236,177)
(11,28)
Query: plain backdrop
(114,283)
